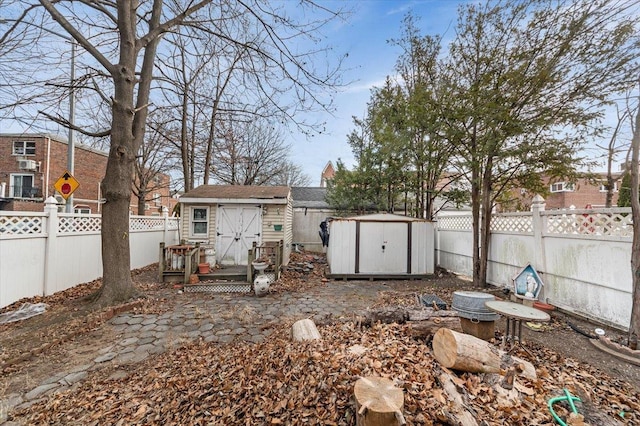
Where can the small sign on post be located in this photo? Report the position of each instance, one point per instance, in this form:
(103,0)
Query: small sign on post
(66,185)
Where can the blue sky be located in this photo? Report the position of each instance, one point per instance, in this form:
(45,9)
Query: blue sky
(371,58)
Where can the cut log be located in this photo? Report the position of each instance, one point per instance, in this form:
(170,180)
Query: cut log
(429,327)
(422,314)
(385,315)
(378,402)
(400,315)
(304,330)
(464,352)
(460,415)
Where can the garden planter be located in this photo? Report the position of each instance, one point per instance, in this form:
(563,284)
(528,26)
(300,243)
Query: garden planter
(204,268)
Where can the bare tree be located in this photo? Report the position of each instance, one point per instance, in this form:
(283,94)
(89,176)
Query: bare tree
(291,175)
(249,154)
(613,148)
(154,161)
(122,38)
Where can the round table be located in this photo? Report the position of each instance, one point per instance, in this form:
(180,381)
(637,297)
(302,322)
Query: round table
(515,313)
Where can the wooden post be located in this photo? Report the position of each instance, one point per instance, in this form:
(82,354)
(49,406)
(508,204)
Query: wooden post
(378,402)
(161,263)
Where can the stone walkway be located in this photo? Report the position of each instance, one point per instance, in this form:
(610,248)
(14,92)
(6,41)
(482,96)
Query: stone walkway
(219,318)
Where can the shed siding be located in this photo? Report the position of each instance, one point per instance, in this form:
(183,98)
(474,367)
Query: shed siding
(274,216)
(375,232)
(288,229)
(341,253)
(186,211)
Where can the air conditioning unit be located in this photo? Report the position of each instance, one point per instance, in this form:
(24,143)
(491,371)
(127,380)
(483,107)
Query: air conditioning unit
(27,165)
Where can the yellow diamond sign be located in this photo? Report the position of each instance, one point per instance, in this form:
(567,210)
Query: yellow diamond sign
(66,184)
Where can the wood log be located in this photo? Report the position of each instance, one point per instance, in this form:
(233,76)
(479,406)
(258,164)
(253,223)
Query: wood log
(428,313)
(385,315)
(304,330)
(464,352)
(400,315)
(378,402)
(460,415)
(429,327)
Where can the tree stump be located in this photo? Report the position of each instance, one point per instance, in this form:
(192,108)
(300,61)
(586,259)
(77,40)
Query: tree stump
(305,330)
(378,402)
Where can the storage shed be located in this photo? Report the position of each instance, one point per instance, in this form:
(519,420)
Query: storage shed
(232,217)
(381,246)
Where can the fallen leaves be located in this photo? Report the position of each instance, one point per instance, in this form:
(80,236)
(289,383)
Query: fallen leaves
(285,382)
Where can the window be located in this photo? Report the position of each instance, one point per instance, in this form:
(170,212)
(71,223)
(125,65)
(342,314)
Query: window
(199,221)
(24,148)
(603,187)
(561,187)
(80,209)
(22,186)
(157,199)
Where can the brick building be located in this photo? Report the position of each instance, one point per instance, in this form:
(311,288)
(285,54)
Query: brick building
(30,164)
(584,193)
(328,173)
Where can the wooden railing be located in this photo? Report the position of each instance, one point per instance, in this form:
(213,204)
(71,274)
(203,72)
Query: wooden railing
(178,259)
(273,251)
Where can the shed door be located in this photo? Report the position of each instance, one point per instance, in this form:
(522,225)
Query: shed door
(237,228)
(383,247)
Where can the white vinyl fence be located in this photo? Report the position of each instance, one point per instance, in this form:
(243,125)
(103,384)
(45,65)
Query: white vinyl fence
(43,253)
(583,256)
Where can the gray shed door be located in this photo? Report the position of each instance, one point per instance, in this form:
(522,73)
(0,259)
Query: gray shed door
(238,226)
(383,247)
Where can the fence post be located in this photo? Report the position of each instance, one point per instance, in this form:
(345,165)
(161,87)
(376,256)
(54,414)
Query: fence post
(165,217)
(51,209)
(538,223)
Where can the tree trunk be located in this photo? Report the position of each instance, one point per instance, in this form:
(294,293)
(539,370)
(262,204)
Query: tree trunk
(142,197)
(127,132)
(378,402)
(634,326)
(117,285)
(475,214)
(485,220)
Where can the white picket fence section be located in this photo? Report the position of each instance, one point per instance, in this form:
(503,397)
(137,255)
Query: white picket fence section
(43,253)
(582,256)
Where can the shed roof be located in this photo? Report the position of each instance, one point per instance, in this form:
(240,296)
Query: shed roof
(383,217)
(218,193)
(306,196)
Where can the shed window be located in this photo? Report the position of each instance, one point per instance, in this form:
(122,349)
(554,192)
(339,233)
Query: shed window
(199,221)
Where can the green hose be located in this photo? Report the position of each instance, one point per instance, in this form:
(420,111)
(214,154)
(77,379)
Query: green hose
(567,397)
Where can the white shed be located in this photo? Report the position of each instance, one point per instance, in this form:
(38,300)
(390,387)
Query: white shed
(233,217)
(380,246)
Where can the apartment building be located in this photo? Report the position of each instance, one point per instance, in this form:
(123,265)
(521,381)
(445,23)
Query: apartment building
(30,164)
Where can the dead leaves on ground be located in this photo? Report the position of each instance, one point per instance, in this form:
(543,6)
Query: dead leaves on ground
(285,382)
